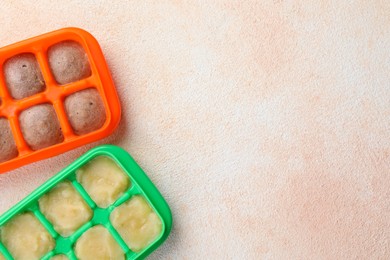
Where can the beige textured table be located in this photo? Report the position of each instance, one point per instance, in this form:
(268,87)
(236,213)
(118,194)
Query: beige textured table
(265,124)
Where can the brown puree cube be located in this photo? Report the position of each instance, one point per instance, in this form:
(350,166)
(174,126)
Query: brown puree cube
(23,76)
(40,126)
(68,62)
(85,110)
(8,149)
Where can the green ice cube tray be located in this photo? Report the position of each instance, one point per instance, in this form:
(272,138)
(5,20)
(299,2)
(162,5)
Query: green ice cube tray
(140,185)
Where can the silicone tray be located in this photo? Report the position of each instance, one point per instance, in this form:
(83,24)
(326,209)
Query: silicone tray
(100,79)
(140,185)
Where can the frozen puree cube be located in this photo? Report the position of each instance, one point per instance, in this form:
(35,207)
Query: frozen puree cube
(68,62)
(40,126)
(98,243)
(23,76)
(85,110)
(64,207)
(103,180)
(59,257)
(137,223)
(8,148)
(26,238)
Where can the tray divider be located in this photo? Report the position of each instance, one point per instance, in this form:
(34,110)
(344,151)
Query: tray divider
(82,84)
(49,227)
(4,251)
(42,58)
(67,129)
(21,144)
(80,189)
(119,239)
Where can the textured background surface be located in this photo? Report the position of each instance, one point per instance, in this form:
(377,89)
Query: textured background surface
(265,125)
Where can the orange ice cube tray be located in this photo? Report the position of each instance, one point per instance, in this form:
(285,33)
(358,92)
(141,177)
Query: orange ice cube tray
(55,94)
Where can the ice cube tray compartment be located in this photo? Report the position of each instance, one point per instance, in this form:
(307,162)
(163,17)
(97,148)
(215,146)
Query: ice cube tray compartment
(55,94)
(139,185)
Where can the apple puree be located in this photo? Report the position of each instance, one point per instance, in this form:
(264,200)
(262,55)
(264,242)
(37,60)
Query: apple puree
(26,238)
(137,223)
(103,180)
(98,243)
(64,207)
